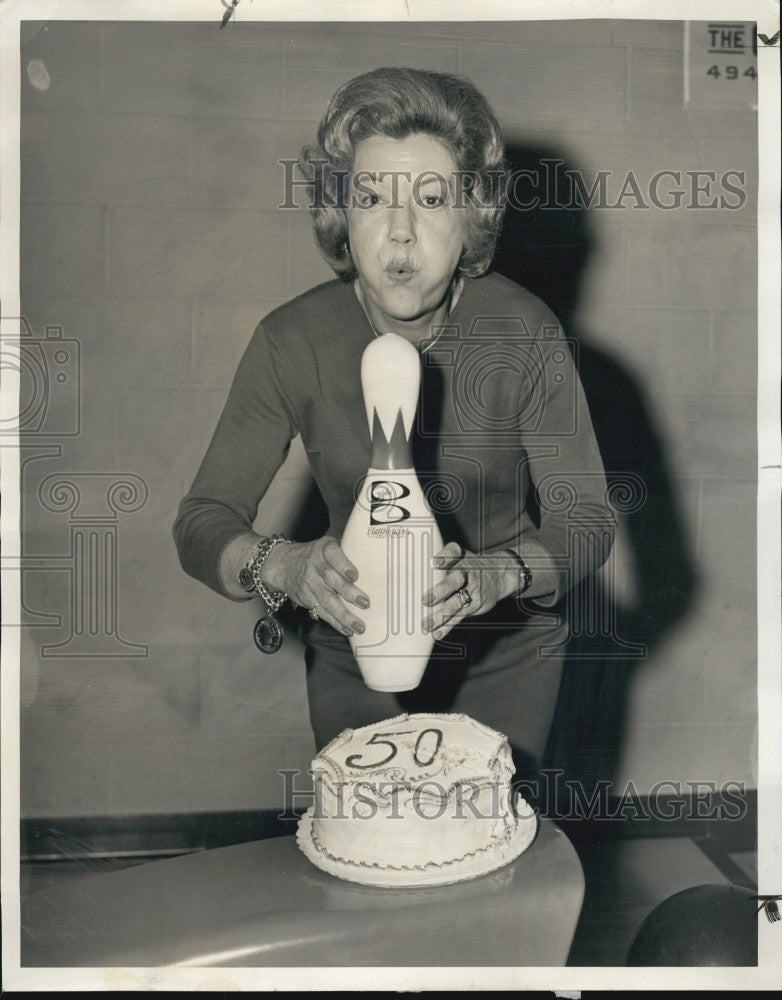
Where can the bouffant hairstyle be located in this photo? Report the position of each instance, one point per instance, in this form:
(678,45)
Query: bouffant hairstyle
(398,103)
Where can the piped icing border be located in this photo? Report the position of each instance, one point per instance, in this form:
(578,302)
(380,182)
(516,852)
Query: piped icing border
(484,861)
(491,752)
(495,846)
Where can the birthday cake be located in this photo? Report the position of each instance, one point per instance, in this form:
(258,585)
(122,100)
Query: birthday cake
(415,800)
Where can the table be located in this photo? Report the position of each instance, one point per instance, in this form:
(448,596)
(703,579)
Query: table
(264,904)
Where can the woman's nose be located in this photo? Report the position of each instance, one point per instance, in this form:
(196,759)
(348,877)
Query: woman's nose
(401,227)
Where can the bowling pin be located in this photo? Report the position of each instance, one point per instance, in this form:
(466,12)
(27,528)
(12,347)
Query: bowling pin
(391,535)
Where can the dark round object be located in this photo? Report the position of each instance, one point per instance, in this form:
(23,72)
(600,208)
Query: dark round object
(705,925)
(268,634)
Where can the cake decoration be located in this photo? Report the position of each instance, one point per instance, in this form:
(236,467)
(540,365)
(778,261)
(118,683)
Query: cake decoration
(417,800)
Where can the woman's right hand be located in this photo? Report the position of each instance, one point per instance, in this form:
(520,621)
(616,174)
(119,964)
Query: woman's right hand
(318,575)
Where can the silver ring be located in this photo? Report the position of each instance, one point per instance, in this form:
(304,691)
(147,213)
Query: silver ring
(313,612)
(464,597)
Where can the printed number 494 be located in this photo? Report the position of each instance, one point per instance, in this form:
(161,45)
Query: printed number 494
(731,72)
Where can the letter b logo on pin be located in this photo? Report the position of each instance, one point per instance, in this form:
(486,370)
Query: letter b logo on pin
(383,509)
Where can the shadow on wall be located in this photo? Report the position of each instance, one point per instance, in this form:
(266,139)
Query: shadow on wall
(547,250)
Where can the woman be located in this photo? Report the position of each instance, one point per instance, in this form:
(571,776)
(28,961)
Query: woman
(407,183)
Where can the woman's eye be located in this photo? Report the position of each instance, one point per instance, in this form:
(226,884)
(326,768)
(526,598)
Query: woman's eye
(366,199)
(433,200)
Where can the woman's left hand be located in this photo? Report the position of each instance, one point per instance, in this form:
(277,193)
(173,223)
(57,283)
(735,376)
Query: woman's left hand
(483,578)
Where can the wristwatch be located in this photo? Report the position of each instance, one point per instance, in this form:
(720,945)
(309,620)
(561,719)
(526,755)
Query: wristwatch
(524,572)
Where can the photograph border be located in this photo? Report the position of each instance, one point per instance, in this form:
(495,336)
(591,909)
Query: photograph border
(767,974)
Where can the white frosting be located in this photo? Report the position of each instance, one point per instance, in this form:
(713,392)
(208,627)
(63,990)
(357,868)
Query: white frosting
(416,792)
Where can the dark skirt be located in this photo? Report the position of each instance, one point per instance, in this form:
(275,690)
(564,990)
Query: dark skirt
(502,669)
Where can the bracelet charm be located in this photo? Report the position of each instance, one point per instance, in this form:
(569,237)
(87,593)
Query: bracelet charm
(268,633)
(249,577)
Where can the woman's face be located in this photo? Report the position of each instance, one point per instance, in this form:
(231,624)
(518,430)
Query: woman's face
(406,235)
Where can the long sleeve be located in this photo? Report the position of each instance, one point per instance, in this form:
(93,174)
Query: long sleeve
(511,431)
(248,447)
(572,521)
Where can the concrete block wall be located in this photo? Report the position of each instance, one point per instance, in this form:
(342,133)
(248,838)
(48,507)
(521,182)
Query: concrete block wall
(151,234)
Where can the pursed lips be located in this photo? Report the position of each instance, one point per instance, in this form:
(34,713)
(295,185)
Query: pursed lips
(400,270)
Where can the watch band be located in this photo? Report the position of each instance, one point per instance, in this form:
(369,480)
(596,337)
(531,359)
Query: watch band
(524,571)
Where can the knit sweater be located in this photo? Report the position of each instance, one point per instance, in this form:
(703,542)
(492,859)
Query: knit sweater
(504,444)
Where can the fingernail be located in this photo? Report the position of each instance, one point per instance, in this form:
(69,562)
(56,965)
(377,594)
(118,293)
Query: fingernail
(358,626)
(427,599)
(351,574)
(362,602)
(439,562)
(426,624)
(438,634)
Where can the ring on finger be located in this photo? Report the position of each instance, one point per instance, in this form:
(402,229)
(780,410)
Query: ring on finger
(464,597)
(314,612)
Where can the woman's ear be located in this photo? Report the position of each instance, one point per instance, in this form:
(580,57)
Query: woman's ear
(343,217)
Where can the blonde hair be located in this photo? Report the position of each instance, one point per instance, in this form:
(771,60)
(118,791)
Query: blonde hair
(398,103)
